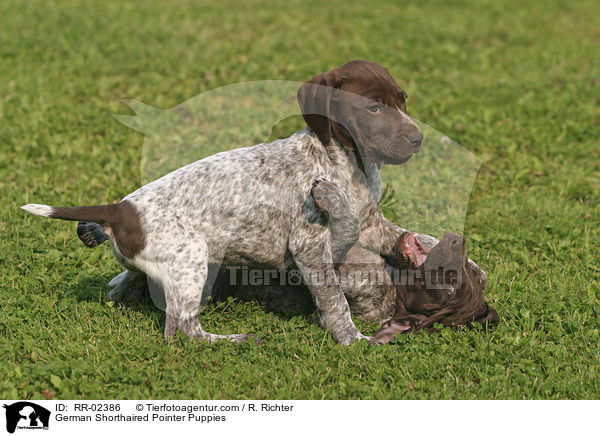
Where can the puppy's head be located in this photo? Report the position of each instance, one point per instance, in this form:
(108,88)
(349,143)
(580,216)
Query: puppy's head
(441,287)
(361,106)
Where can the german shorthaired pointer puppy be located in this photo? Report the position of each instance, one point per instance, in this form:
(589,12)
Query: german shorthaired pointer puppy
(459,302)
(251,206)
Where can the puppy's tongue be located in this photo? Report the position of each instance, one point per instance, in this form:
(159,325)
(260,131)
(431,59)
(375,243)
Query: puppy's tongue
(412,248)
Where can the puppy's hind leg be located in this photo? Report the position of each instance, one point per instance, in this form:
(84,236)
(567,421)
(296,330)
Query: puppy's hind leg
(186,274)
(91,234)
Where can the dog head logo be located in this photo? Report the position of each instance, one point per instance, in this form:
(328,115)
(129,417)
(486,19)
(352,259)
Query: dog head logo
(26,415)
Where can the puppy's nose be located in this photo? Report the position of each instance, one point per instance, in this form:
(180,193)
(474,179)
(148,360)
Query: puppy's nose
(416,139)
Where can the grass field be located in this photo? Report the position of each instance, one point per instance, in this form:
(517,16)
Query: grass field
(516,84)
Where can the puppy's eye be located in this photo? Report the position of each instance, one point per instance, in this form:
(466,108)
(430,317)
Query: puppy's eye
(374,108)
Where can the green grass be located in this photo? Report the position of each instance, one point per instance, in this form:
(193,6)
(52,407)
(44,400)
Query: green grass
(518,85)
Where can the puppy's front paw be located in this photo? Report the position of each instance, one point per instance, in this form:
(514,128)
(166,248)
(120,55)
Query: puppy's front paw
(322,192)
(360,337)
(371,340)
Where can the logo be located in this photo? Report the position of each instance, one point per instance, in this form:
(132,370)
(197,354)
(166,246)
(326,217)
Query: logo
(26,415)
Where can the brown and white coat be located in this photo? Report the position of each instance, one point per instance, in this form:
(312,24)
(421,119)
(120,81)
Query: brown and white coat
(253,206)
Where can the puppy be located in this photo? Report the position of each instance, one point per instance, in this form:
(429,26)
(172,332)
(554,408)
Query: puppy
(441,287)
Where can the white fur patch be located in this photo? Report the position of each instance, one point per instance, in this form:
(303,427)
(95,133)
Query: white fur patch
(407,118)
(38,209)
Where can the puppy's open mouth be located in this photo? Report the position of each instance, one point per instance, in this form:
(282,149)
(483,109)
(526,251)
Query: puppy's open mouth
(412,249)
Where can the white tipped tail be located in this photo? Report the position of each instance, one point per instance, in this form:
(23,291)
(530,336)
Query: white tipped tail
(38,209)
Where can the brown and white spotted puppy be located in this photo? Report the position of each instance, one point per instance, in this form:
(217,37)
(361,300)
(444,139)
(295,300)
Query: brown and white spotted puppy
(250,206)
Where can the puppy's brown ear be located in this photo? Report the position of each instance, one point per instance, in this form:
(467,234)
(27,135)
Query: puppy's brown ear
(314,98)
(390,329)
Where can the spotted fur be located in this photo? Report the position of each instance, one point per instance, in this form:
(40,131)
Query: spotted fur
(252,206)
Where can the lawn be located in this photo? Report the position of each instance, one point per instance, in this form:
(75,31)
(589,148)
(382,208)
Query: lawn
(515,84)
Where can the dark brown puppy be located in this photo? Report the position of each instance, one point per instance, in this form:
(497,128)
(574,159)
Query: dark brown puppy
(437,286)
